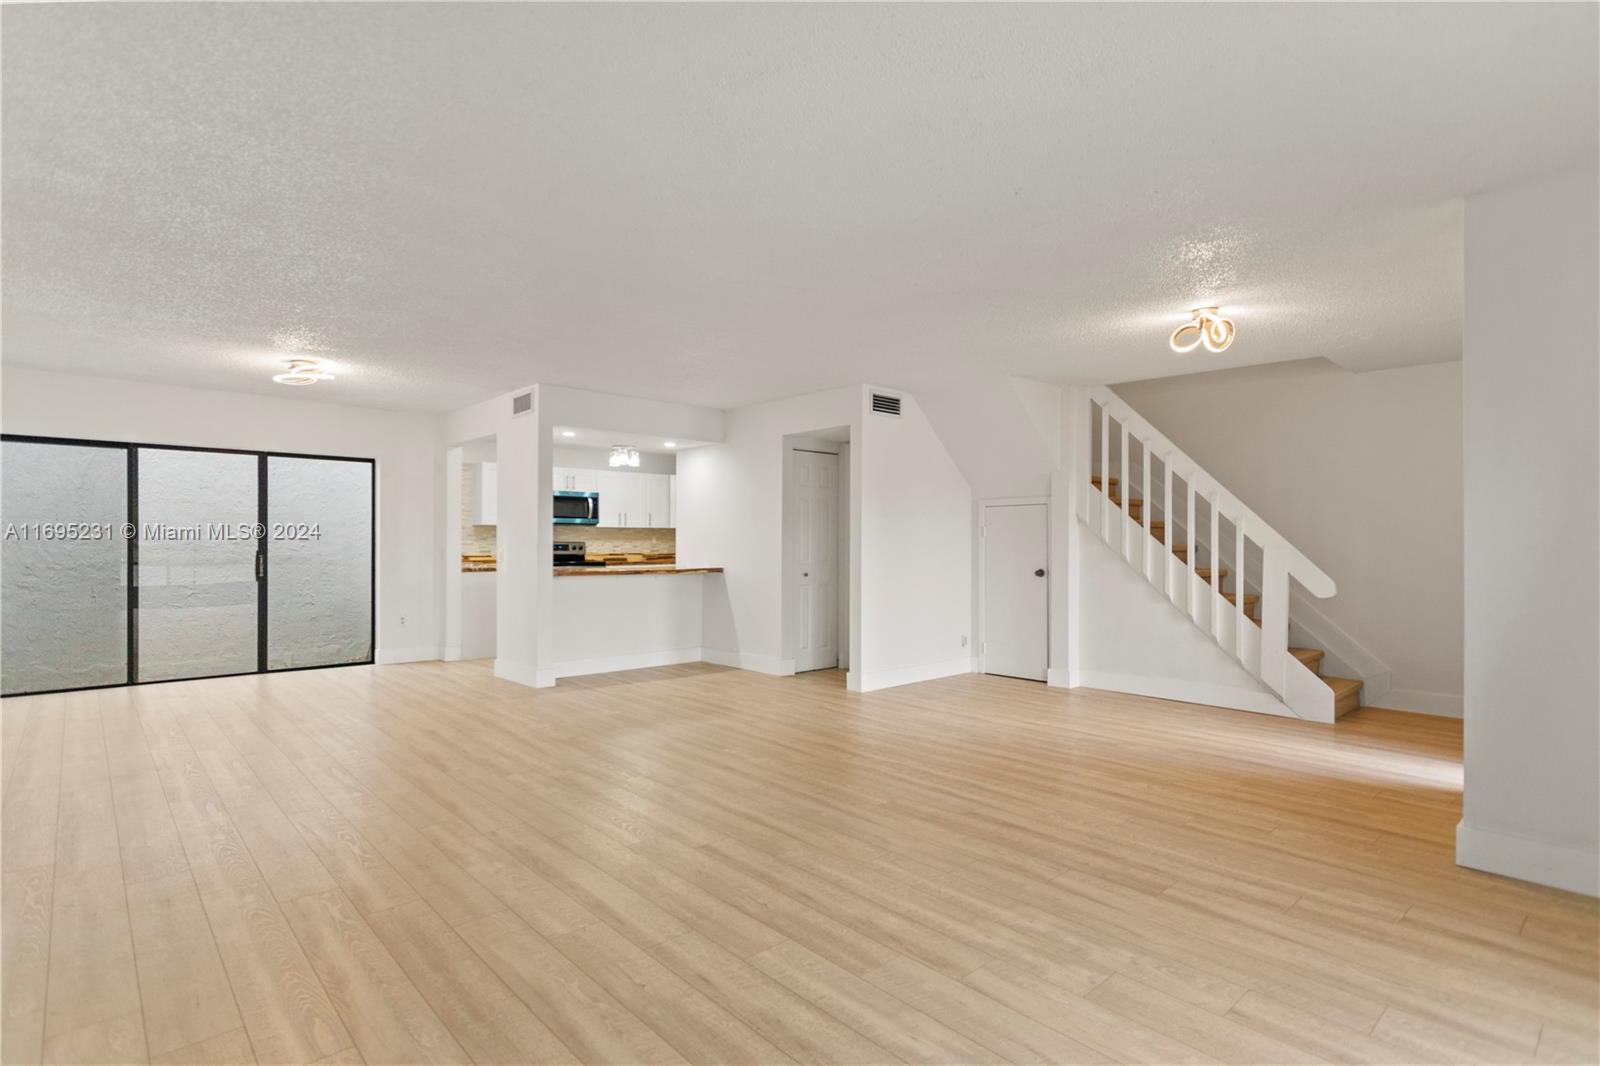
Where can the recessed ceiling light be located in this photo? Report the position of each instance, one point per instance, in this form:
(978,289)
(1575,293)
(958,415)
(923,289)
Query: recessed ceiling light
(568,433)
(669,444)
(303,372)
(1208,327)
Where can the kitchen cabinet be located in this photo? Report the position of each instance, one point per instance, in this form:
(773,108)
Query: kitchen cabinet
(656,511)
(485,497)
(628,499)
(621,499)
(571,479)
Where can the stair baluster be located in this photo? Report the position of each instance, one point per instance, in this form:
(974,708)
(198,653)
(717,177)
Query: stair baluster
(1261,648)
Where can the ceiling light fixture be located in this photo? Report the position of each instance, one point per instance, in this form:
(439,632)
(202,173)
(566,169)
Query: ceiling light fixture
(622,455)
(669,444)
(1208,327)
(303,372)
(568,433)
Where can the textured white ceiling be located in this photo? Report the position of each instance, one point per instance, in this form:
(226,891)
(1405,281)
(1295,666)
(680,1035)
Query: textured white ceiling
(719,204)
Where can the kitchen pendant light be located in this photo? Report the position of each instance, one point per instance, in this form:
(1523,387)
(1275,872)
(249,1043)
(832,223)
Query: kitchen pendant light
(622,455)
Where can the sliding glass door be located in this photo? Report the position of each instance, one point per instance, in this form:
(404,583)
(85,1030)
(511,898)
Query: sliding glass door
(319,562)
(130,563)
(63,566)
(198,590)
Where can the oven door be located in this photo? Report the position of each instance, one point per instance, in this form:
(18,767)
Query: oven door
(577,508)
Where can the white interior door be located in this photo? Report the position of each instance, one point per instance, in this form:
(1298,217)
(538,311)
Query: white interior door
(814,517)
(1016,606)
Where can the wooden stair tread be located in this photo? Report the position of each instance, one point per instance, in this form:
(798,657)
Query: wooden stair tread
(1346,690)
(1312,657)
(1346,694)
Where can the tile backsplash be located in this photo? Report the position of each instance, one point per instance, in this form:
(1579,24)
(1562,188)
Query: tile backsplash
(600,540)
(475,540)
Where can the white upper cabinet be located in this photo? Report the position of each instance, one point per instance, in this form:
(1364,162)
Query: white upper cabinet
(484,510)
(621,499)
(656,511)
(628,499)
(572,479)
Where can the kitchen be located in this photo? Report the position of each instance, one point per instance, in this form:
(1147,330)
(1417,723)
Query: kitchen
(613,514)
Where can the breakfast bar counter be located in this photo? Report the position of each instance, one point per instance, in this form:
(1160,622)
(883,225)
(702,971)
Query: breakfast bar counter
(652,619)
(640,568)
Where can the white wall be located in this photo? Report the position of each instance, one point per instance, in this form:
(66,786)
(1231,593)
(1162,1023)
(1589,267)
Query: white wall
(1362,472)
(730,514)
(1532,464)
(581,458)
(909,521)
(915,569)
(405,445)
(522,495)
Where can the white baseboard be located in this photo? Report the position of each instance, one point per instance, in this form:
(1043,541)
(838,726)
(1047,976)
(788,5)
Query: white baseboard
(451,653)
(522,673)
(1167,688)
(419,654)
(861,681)
(1556,865)
(612,663)
(761,664)
(1059,677)
(1441,704)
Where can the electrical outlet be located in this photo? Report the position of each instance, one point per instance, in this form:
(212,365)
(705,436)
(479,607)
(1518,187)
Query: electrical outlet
(402,619)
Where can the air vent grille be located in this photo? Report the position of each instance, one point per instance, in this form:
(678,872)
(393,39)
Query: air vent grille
(521,405)
(884,404)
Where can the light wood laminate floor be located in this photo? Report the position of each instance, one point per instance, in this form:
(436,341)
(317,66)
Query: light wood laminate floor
(420,863)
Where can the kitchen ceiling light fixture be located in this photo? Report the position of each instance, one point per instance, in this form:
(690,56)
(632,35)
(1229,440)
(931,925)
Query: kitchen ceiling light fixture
(1208,327)
(669,444)
(568,433)
(622,455)
(303,372)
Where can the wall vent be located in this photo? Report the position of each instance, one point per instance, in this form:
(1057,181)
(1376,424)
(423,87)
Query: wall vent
(521,405)
(884,404)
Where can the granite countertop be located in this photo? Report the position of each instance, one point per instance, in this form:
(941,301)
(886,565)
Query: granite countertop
(636,568)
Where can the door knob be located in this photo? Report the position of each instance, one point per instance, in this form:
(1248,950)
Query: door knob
(1039,572)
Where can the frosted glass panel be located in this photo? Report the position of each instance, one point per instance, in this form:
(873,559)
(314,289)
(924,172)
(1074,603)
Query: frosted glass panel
(197,564)
(63,591)
(319,562)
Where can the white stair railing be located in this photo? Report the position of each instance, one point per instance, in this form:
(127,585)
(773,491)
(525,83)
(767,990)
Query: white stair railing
(1263,651)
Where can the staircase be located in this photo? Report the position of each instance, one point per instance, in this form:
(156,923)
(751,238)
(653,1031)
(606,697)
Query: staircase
(1252,626)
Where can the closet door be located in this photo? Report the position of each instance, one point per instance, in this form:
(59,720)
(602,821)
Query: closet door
(318,559)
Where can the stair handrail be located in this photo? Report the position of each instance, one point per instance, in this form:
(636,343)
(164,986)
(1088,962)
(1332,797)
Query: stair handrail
(1311,577)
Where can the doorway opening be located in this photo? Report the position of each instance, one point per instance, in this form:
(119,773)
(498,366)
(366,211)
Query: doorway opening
(816,550)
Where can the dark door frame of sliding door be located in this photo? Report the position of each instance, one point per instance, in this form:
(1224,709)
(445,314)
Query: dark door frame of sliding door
(261,563)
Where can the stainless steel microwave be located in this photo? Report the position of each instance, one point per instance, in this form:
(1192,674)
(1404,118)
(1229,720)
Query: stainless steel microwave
(577,508)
